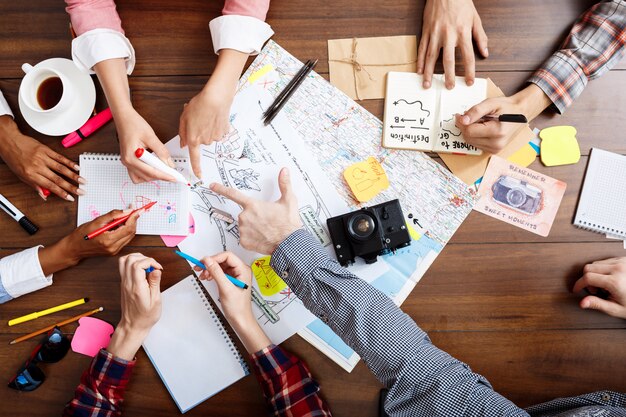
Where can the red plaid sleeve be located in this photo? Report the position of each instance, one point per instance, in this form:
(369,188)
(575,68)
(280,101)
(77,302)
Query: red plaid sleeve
(594,45)
(101,389)
(288,386)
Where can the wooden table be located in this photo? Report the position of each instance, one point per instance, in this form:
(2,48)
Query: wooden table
(497,297)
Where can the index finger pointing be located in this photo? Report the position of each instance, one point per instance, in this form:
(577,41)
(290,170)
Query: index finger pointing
(230,193)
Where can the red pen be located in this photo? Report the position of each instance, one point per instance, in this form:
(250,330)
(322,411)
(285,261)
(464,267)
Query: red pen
(90,126)
(117,222)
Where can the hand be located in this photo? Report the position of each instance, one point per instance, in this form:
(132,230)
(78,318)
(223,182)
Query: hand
(609,276)
(140,302)
(264,225)
(36,164)
(134,132)
(205,120)
(449,24)
(235,301)
(493,136)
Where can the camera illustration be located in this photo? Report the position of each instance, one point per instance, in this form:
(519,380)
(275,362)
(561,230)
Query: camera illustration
(369,232)
(517,195)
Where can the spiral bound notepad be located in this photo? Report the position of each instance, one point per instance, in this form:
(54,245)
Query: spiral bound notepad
(602,205)
(109,188)
(191,350)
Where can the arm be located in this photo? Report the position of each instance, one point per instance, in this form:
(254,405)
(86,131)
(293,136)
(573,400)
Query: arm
(238,33)
(102,385)
(288,386)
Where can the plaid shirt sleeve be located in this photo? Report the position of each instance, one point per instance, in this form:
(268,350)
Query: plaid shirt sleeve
(594,45)
(101,389)
(288,386)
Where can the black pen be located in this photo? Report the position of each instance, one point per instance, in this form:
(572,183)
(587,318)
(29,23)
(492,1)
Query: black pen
(507,118)
(284,96)
(17,215)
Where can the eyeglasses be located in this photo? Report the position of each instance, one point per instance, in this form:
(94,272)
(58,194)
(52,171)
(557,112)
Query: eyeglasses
(51,349)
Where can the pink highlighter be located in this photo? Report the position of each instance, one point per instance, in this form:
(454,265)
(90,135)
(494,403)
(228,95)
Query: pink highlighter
(90,126)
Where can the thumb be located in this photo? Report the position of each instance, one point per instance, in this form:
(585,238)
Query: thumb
(479,110)
(154,282)
(592,302)
(284,184)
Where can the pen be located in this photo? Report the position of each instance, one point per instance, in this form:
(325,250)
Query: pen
(149,269)
(117,222)
(17,215)
(154,161)
(507,118)
(37,314)
(90,126)
(63,323)
(199,264)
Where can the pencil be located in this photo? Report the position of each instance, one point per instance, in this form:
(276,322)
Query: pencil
(63,323)
(37,314)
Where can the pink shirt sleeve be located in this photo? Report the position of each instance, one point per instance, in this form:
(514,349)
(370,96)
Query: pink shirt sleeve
(87,15)
(252,8)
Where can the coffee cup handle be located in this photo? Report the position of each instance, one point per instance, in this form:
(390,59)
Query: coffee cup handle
(26,68)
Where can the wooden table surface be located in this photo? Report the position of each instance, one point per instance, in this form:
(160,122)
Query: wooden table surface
(497,297)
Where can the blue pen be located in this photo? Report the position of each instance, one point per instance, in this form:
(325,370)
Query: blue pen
(199,264)
(149,269)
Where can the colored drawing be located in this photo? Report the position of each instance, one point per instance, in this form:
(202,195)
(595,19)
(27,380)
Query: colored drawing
(269,283)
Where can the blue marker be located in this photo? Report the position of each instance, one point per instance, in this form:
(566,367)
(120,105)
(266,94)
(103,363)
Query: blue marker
(199,264)
(149,269)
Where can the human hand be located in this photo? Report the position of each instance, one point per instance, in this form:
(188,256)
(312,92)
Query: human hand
(140,303)
(36,164)
(450,24)
(235,301)
(134,132)
(263,225)
(608,276)
(492,136)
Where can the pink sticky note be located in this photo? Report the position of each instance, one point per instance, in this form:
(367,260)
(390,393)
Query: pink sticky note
(171,241)
(91,335)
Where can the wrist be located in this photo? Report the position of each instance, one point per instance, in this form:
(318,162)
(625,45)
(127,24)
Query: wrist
(57,257)
(532,101)
(126,341)
(8,132)
(251,334)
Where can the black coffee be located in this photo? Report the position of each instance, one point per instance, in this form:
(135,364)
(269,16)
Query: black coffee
(50,92)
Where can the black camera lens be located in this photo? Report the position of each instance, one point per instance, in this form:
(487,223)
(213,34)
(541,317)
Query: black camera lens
(515,197)
(361,226)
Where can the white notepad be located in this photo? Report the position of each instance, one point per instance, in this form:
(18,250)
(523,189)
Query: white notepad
(423,120)
(110,188)
(190,348)
(602,204)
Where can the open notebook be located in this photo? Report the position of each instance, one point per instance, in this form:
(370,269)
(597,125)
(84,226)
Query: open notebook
(190,348)
(423,120)
(603,198)
(110,188)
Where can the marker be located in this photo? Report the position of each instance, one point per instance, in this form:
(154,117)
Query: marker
(90,126)
(116,222)
(154,161)
(17,215)
(44,193)
(507,118)
(37,314)
(199,264)
(149,269)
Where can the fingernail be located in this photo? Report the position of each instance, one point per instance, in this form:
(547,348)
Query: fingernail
(465,120)
(420,71)
(171,163)
(126,211)
(80,192)
(208,262)
(81,180)
(76,167)
(486,52)
(426,84)
(470,82)
(69,198)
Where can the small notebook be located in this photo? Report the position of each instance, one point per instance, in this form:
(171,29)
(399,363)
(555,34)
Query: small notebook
(191,350)
(602,203)
(110,188)
(423,120)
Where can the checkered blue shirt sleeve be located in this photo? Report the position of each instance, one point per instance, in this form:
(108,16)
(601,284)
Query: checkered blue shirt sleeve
(422,379)
(594,46)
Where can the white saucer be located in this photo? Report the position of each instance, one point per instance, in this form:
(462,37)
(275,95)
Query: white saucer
(79,111)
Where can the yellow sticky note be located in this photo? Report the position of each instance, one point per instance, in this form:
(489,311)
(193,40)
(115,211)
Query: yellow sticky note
(412,232)
(269,282)
(559,146)
(259,73)
(524,156)
(366,179)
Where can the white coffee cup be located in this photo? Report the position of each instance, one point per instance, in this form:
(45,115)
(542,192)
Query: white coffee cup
(31,83)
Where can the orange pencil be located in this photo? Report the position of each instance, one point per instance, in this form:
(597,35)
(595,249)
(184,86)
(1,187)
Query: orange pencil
(117,222)
(63,323)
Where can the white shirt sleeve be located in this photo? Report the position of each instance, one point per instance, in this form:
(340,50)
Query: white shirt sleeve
(4,106)
(99,45)
(243,33)
(21,273)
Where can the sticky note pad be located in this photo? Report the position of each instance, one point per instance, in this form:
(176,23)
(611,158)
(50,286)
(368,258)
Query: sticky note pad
(524,156)
(559,146)
(366,179)
(269,282)
(91,335)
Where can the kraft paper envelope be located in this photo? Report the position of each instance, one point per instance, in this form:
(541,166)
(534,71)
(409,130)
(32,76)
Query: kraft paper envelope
(470,168)
(358,66)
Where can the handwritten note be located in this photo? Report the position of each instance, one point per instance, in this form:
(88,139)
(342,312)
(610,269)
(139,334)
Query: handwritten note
(269,282)
(559,146)
(366,179)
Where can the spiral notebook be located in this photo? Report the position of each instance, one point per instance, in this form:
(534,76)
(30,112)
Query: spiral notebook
(602,203)
(109,188)
(191,350)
